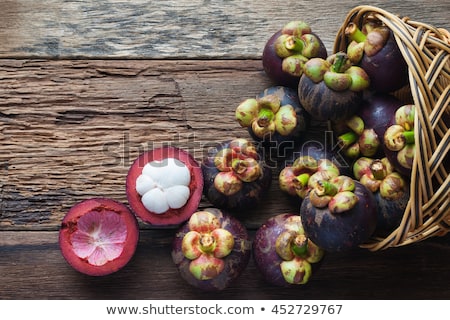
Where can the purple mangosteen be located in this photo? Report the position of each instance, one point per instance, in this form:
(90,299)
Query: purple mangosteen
(274,118)
(390,189)
(375,50)
(332,88)
(339,214)
(399,140)
(288,49)
(211,250)
(362,134)
(283,254)
(235,176)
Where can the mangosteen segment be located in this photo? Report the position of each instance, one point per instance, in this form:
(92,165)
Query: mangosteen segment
(164,186)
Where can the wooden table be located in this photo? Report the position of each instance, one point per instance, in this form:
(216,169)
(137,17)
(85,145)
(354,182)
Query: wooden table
(86,86)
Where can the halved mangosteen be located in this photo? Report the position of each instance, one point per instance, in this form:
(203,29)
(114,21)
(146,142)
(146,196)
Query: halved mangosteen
(98,236)
(164,186)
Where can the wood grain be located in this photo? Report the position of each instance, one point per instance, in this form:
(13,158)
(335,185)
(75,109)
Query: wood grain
(71,129)
(86,86)
(31,267)
(174,29)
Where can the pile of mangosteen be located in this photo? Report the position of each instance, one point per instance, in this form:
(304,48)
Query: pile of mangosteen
(345,192)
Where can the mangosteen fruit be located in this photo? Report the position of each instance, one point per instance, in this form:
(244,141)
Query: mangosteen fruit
(275,118)
(390,189)
(287,50)
(211,250)
(164,186)
(235,176)
(362,134)
(399,141)
(98,236)
(331,89)
(299,178)
(375,50)
(339,214)
(282,252)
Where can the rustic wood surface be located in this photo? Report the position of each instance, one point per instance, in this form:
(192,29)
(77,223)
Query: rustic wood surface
(86,86)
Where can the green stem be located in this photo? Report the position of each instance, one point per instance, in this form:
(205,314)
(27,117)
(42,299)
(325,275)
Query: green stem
(326,188)
(265,116)
(354,33)
(409,137)
(294,44)
(339,63)
(302,180)
(378,170)
(300,245)
(347,139)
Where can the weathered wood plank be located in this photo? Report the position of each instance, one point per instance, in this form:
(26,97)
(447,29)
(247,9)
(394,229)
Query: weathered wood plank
(31,267)
(69,130)
(174,29)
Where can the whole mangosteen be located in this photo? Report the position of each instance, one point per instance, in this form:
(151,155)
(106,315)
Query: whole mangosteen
(274,118)
(288,49)
(390,189)
(399,140)
(164,186)
(332,89)
(282,252)
(339,214)
(362,134)
(376,51)
(235,176)
(211,250)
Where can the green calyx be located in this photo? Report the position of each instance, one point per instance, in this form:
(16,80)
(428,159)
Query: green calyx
(237,164)
(206,244)
(400,136)
(337,72)
(267,116)
(369,42)
(360,140)
(379,175)
(336,194)
(297,252)
(304,174)
(295,46)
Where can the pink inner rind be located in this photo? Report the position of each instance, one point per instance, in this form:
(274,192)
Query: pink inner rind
(100,237)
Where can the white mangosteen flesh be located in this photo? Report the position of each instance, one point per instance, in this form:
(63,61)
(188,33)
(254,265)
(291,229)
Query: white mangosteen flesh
(164,185)
(100,237)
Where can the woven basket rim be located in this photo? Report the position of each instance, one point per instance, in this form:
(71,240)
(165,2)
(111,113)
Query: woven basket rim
(426,49)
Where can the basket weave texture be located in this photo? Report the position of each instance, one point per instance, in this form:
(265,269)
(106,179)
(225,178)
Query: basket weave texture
(426,50)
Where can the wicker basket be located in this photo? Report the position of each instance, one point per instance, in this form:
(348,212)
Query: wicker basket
(426,50)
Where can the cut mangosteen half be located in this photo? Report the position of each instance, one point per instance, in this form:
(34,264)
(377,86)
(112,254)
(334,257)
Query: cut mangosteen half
(164,186)
(98,236)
